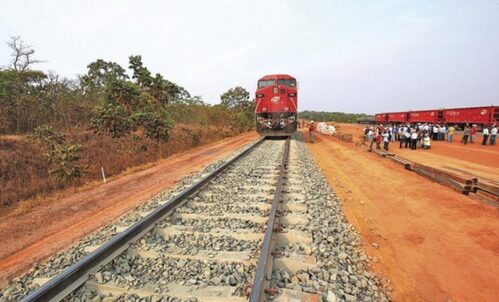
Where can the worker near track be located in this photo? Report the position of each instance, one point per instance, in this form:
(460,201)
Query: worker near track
(414,139)
(435,132)
(377,139)
(311,131)
(473,132)
(466,134)
(450,133)
(370,136)
(493,134)
(485,135)
(426,142)
(441,133)
(386,139)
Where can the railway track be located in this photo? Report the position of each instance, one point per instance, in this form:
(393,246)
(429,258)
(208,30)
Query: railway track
(254,229)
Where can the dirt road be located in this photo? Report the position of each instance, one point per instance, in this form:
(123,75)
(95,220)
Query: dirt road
(50,228)
(433,243)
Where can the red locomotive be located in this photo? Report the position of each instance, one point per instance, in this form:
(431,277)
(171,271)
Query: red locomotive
(276,108)
(486,115)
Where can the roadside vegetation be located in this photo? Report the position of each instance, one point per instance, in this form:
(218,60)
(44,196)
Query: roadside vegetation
(338,117)
(57,132)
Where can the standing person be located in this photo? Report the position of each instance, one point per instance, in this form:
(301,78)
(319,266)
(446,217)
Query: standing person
(386,140)
(450,133)
(493,134)
(426,142)
(466,134)
(485,136)
(426,129)
(414,139)
(407,135)
(311,131)
(435,133)
(370,136)
(401,136)
(473,132)
(442,133)
(377,139)
(366,132)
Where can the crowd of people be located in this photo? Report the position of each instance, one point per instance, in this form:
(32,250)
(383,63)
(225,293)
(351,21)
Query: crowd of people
(420,135)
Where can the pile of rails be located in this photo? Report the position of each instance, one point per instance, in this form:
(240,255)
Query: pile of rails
(463,182)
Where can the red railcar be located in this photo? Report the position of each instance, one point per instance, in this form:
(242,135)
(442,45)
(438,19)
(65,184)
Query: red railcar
(276,108)
(475,115)
(380,118)
(484,115)
(397,117)
(422,116)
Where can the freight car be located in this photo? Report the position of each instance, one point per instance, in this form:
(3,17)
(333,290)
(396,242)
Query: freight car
(276,105)
(485,115)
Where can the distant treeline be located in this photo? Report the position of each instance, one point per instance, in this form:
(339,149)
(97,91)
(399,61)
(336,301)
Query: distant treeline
(108,99)
(339,117)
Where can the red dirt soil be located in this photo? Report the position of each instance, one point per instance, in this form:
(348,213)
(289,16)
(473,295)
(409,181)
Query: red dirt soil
(48,229)
(434,243)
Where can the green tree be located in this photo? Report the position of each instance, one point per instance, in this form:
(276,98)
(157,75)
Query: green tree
(134,106)
(241,110)
(236,98)
(62,156)
(101,73)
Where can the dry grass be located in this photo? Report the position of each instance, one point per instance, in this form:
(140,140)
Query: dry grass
(25,183)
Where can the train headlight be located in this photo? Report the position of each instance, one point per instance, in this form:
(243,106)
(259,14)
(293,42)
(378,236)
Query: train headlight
(264,109)
(292,94)
(275,90)
(286,108)
(260,95)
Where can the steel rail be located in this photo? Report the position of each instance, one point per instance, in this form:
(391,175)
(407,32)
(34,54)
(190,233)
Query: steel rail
(264,263)
(75,275)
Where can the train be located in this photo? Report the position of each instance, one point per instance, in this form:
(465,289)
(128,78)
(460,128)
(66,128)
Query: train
(276,105)
(481,116)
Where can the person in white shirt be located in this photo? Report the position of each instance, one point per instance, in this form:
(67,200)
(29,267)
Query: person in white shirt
(370,137)
(414,139)
(442,133)
(435,132)
(426,142)
(386,139)
(485,135)
(493,134)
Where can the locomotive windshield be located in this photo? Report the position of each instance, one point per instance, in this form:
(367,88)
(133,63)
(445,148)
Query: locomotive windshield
(287,82)
(265,83)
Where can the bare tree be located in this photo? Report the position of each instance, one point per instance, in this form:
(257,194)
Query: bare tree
(22,54)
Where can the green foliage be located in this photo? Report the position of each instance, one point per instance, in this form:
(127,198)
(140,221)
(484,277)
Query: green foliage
(236,98)
(101,73)
(113,119)
(19,93)
(138,106)
(339,117)
(64,160)
(156,124)
(47,135)
(239,110)
(110,101)
(62,156)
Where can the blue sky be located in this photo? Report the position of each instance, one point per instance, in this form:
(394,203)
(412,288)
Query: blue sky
(352,56)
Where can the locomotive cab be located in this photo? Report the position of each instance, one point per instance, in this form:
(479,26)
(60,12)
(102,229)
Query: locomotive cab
(276,108)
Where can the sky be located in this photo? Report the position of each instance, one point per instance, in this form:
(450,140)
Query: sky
(349,56)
